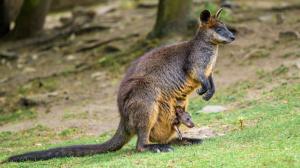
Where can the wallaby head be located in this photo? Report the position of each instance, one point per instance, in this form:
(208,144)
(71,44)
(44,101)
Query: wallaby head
(215,30)
(185,118)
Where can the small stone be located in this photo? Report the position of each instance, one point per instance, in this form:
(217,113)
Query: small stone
(29,69)
(266,18)
(71,57)
(3,61)
(96,75)
(19,66)
(34,56)
(212,109)
(72,37)
(2,100)
(52,94)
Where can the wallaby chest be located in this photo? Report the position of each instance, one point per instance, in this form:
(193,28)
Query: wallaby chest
(212,59)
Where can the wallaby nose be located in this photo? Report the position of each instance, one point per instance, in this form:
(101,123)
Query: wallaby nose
(232,37)
(191,125)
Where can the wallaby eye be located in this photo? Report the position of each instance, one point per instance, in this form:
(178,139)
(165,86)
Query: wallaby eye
(218,30)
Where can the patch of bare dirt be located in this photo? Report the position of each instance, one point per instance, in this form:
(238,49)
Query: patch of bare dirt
(202,133)
(90,106)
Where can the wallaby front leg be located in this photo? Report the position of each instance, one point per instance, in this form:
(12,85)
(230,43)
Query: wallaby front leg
(203,90)
(205,83)
(178,132)
(209,94)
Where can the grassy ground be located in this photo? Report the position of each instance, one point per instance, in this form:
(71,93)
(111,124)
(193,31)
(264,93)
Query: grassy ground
(261,132)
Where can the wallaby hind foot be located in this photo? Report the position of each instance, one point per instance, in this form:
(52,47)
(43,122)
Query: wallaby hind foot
(156,148)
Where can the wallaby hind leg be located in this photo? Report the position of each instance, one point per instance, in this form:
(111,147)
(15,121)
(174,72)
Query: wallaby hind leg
(143,143)
(144,127)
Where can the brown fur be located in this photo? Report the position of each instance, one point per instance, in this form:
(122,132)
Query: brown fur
(212,22)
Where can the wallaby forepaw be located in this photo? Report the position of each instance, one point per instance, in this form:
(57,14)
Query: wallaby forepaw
(208,95)
(201,91)
(206,98)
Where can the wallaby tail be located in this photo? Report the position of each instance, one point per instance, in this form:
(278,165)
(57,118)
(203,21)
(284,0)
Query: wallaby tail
(116,142)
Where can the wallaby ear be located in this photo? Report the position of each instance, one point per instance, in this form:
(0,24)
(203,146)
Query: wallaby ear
(179,111)
(205,16)
(219,13)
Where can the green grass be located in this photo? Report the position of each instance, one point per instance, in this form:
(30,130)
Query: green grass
(269,138)
(69,115)
(21,114)
(38,85)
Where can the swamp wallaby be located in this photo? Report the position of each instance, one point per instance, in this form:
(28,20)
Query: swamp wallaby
(150,90)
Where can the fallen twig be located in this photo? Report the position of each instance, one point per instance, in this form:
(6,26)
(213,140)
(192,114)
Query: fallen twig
(100,43)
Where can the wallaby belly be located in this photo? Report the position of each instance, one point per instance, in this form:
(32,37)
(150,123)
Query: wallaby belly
(163,130)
